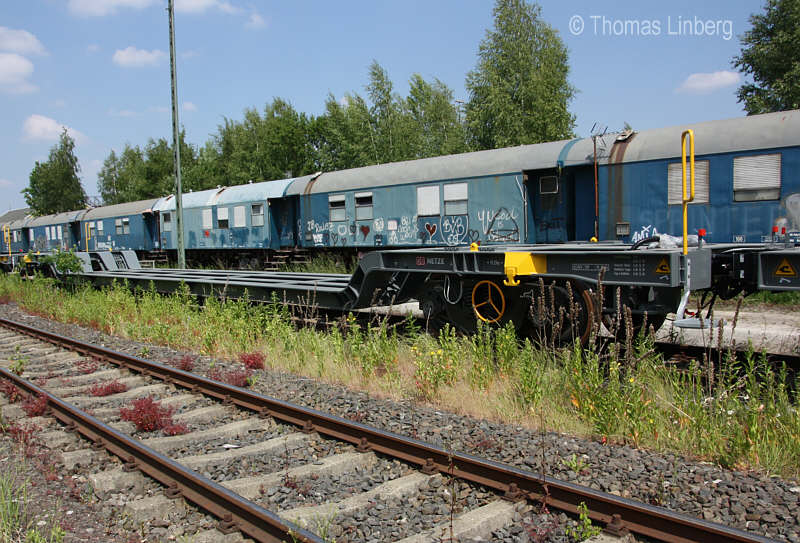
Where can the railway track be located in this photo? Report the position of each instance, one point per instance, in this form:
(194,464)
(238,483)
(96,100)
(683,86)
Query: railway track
(295,450)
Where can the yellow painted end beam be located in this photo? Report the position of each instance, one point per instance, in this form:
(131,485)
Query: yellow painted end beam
(523,264)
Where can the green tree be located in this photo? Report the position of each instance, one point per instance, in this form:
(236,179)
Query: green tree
(519,92)
(138,174)
(54,184)
(121,178)
(770,55)
(436,124)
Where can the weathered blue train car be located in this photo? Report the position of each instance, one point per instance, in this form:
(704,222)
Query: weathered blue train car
(485,197)
(132,225)
(60,231)
(234,219)
(747,180)
(14,236)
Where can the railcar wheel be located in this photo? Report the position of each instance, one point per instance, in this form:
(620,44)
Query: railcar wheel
(565,310)
(488,301)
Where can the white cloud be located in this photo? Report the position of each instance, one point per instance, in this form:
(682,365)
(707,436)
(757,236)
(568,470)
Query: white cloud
(5,183)
(201,6)
(100,8)
(92,48)
(255,21)
(41,128)
(14,73)
(189,106)
(20,41)
(131,57)
(706,83)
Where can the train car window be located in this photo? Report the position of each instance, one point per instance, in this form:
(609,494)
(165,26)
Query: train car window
(207,219)
(455,199)
(59,232)
(30,235)
(548,184)
(257,214)
(47,232)
(117,226)
(91,229)
(757,177)
(336,208)
(428,200)
(363,206)
(675,179)
(126,226)
(16,236)
(239,219)
(99,229)
(168,222)
(222,217)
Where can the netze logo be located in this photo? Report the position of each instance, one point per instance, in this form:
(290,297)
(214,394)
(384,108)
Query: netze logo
(420,261)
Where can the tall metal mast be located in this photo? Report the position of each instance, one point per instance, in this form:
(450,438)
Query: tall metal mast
(176,139)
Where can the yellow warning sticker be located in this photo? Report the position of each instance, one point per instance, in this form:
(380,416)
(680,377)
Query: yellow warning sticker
(785,269)
(663,266)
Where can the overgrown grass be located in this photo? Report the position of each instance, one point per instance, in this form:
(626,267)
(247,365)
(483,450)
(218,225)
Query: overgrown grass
(748,418)
(324,264)
(18,513)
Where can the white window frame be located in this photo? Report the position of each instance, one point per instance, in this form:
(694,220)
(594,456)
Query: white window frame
(364,210)
(456,199)
(222,215)
(31,237)
(118,228)
(167,222)
(239,217)
(757,177)
(99,228)
(337,208)
(47,232)
(59,232)
(702,182)
(428,204)
(257,214)
(126,225)
(208,219)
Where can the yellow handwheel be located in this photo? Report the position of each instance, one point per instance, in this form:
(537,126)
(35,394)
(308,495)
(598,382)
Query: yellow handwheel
(488,301)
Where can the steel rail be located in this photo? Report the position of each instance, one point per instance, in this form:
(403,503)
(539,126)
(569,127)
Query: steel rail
(616,512)
(234,511)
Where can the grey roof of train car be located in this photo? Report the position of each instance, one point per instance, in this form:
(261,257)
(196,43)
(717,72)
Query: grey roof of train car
(57,218)
(118,210)
(772,130)
(14,215)
(201,198)
(252,192)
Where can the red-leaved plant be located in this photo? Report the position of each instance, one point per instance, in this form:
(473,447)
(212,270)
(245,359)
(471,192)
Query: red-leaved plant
(10,391)
(35,406)
(149,415)
(185,363)
(107,389)
(237,378)
(252,361)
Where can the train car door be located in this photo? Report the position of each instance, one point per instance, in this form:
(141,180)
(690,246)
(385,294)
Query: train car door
(283,222)
(550,193)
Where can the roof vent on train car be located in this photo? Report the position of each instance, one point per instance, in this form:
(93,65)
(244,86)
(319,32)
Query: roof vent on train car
(624,136)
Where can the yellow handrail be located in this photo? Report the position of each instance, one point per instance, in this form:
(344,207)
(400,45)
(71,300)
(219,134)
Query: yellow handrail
(7,238)
(686,199)
(88,234)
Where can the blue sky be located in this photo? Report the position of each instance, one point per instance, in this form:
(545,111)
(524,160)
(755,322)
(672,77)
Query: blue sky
(101,67)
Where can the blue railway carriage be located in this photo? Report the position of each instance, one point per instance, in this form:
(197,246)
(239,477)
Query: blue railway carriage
(61,231)
(132,225)
(227,223)
(13,237)
(747,181)
(482,197)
